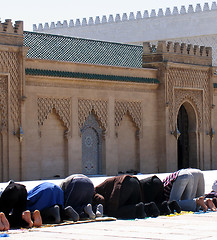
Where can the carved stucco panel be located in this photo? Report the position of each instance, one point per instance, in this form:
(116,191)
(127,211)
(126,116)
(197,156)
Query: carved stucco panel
(61,105)
(4,103)
(87,106)
(189,80)
(9,63)
(133,108)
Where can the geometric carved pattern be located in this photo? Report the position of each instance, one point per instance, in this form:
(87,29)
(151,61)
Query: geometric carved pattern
(3,103)
(133,108)
(9,63)
(195,88)
(194,97)
(62,107)
(87,106)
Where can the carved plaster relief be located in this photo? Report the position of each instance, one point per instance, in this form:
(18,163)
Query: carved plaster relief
(4,103)
(193,86)
(133,108)
(9,63)
(62,107)
(87,106)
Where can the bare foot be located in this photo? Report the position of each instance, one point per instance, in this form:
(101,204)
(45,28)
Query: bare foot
(2,227)
(4,221)
(37,219)
(200,202)
(26,216)
(210,204)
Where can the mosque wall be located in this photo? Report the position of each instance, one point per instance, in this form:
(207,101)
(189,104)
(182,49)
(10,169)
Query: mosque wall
(58,112)
(12,89)
(186,80)
(143,26)
(55,123)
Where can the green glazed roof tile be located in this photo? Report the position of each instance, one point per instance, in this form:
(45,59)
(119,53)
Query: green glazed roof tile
(70,49)
(52,73)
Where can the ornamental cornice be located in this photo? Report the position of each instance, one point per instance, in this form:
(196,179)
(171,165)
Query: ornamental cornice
(85,84)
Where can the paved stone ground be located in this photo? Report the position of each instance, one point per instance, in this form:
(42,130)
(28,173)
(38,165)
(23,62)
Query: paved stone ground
(188,226)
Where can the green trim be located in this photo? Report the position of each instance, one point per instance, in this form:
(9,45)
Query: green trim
(52,73)
(215,85)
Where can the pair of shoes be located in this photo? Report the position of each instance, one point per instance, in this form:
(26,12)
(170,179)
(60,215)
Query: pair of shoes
(99,210)
(70,214)
(140,210)
(51,215)
(174,206)
(164,208)
(89,211)
(151,209)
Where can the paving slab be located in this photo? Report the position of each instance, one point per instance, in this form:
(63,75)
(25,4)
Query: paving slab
(189,227)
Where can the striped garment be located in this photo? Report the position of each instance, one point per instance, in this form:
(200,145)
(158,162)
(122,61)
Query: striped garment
(168,183)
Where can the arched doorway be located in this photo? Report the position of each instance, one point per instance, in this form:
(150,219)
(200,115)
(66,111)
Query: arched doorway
(91,146)
(187,141)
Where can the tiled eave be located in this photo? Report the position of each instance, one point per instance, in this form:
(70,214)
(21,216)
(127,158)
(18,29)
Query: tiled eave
(89,76)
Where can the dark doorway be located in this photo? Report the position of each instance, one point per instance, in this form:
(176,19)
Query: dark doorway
(183,140)
(187,144)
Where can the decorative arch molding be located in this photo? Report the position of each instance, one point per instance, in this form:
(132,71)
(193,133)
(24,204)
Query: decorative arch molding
(191,85)
(133,108)
(62,107)
(93,123)
(98,107)
(195,98)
